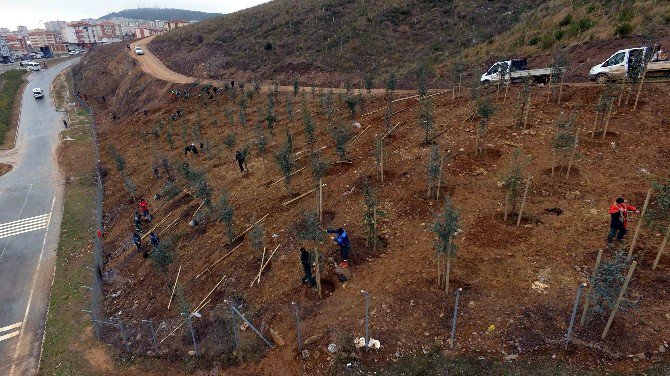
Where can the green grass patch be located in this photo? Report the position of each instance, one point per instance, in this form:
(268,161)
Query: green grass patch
(66,322)
(10,83)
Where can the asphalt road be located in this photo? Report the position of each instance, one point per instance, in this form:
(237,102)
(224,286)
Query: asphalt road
(30,214)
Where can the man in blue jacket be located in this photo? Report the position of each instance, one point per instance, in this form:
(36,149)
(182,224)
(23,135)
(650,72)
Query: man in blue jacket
(342,239)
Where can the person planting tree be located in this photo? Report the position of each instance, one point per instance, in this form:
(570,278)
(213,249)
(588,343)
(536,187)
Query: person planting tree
(342,239)
(619,219)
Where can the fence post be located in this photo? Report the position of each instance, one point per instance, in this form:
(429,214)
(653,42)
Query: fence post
(367,317)
(453,320)
(122,330)
(235,327)
(253,328)
(296,310)
(190,327)
(153,334)
(574,314)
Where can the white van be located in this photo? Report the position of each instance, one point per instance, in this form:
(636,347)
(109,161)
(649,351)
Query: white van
(33,66)
(38,93)
(619,65)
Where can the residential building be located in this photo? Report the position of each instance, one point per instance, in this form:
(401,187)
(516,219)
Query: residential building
(109,30)
(18,47)
(22,31)
(143,32)
(54,26)
(4,31)
(40,38)
(4,49)
(174,24)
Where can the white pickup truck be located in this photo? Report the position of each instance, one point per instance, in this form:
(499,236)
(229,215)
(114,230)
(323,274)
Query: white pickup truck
(518,71)
(621,64)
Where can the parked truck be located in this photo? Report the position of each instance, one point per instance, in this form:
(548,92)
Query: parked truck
(630,63)
(515,70)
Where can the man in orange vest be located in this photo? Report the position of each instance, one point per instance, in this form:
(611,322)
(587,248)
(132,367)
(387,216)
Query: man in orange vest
(619,219)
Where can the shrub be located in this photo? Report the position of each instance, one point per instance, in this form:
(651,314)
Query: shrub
(285,160)
(341,136)
(257,237)
(567,20)
(534,40)
(170,190)
(229,141)
(163,255)
(559,34)
(626,15)
(607,284)
(623,30)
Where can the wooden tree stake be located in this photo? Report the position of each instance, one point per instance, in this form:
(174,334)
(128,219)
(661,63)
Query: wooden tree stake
(263,266)
(507,199)
(210,293)
(320,200)
(572,154)
(217,261)
(174,287)
(560,88)
(623,88)
(439,178)
(523,201)
(619,298)
(607,118)
(299,197)
(661,248)
(587,300)
(170,225)
(284,178)
(595,124)
(153,228)
(525,116)
(639,88)
(318,273)
(639,224)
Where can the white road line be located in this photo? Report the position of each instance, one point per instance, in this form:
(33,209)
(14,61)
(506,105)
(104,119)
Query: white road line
(10,327)
(32,289)
(20,212)
(18,222)
(24,225)
(10,335)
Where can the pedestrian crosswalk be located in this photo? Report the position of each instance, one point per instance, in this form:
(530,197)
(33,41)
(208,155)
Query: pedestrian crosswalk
(10,331)
(24,225)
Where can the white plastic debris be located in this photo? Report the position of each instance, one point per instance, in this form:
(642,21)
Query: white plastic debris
(540,287)
(373,343)
(332,348)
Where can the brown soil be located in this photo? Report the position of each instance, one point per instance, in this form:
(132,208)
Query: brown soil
(496,264)
(5,168)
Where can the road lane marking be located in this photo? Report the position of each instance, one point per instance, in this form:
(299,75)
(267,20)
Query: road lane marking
(32,290)
(10,327)
(10,335)
(24,225)
(30,188)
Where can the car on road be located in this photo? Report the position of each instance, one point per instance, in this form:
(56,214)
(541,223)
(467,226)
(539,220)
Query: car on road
(38,93)
(139,51)
(33,66)
(73,52)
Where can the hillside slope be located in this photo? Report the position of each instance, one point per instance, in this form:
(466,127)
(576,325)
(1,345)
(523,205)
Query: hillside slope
(564,225)
(151,14)
(328,42)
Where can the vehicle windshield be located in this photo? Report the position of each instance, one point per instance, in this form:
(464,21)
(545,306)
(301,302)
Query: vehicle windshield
(616,59)
(494,69)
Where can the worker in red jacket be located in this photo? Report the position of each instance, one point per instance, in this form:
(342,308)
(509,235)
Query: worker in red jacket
(619,219)
(144,206)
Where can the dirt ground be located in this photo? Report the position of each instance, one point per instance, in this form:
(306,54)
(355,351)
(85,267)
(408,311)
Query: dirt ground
(496,264)
(5,168)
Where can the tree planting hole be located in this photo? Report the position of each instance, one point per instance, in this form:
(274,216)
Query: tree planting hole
(556,211)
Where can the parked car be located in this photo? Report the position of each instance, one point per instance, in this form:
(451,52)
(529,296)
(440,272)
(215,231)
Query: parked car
(72,52)
(33,66)
(515,70)
(139,51)
(624,62)
(38,93)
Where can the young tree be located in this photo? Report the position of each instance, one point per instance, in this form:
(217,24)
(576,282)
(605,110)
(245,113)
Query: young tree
(607,284)
(341,136)
(257,237)
(558,70)
(444,227)
(286,160)
(485,110)
(163,255)
(118,159)
(308,123)
(319,168)
(130,186)
(422,80)
(170,190)
(564,141)
(658,215)
(289,107)
(352,102)
(434,165)
(513,183)
(261,139)
(457,70)
(169,135)
(368,82)
(372,214)
(390,90)
(426,120)
(296,88)
(270,116)
(604,108)
(225,214)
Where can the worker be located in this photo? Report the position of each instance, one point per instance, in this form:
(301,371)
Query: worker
(65,123)
(342,239)
(619,219)
(146,112)
(137,240)
(153,238)
(190,148)
(137,222)
(144,206)
(307,267)
(239,157)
